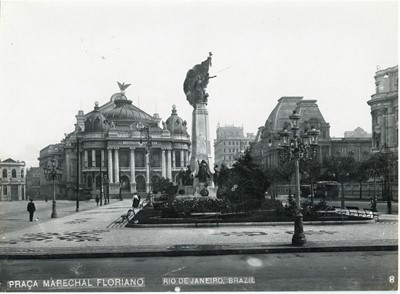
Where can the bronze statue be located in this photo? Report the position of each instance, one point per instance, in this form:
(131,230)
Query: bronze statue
(196,82)
(203,173)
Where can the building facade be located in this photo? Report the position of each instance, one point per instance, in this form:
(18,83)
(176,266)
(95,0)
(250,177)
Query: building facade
(33,183)
(384,110)
(12,184)
(265,150)
(118,147)
(230,144)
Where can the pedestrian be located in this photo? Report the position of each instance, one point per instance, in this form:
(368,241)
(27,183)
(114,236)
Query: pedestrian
(31,209)
(97,200)
(45,198)
(135,200)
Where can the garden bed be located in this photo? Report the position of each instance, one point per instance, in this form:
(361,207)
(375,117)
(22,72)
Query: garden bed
(153,216)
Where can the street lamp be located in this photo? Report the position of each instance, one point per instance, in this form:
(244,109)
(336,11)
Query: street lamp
(77,174)
(53,173)
(295,148)
(141,127)
(389,164)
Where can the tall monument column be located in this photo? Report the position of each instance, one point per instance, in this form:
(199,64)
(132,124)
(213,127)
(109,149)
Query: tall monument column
(194,87)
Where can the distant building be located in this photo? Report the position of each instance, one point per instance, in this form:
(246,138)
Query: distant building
(33,182)
(265,148)
(384,110)
(12,184)
(357,133)
(230,144)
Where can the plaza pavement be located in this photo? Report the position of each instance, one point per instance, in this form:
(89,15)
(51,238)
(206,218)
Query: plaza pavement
(97,233)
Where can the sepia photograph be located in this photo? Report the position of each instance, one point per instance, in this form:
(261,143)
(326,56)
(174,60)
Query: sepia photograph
(198,146)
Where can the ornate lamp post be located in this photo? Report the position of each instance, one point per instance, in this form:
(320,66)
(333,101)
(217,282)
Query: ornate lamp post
(297,148)
(141,127)
(389,166)
(53,173)
(77,174)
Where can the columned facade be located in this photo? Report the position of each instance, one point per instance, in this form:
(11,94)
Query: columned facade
(113,150)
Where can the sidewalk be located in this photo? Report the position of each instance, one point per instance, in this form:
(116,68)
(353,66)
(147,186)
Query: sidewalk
(94,233)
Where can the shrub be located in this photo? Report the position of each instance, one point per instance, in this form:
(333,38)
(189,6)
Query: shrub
(183,208)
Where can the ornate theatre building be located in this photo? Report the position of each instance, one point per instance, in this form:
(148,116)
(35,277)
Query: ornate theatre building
(117,146)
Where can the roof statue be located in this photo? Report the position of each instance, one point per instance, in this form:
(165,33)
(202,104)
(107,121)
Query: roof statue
(196,82)
(122,86)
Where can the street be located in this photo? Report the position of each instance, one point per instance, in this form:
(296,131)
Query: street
(340,271)
(14,216)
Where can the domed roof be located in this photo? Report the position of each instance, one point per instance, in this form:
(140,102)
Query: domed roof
(96,121)
(279,117)
(124,113)
(175,124)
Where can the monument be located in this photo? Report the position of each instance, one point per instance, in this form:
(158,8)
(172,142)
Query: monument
(195,86)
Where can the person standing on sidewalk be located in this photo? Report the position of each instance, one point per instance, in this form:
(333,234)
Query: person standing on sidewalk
(97,200)
(31,209)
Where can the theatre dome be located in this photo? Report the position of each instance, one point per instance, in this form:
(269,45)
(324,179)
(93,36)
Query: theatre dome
(176,125)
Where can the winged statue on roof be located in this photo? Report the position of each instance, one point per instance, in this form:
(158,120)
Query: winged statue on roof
(196,82)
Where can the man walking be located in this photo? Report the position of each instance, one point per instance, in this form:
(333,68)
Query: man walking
(31,209)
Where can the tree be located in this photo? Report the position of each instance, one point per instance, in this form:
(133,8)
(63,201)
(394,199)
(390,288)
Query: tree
(312,168)
(342,169)
(383,165)
(285,172)
(361,174)
(244,184)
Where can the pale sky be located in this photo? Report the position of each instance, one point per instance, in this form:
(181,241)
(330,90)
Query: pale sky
(59,57)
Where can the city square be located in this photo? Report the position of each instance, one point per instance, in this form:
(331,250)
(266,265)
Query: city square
(258,161)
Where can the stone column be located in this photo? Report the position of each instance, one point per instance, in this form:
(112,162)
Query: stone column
(94,158)
(116,170)
(133,171)
(173,158)
(169,166)
(102,158)
(163,167)
(110,166)
(86,158)
(182,158)
(147,172)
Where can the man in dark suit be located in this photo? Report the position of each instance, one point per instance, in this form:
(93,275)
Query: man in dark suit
(31,209)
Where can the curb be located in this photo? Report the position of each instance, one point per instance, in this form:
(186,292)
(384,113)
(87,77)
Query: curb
(191,225)
(198,252)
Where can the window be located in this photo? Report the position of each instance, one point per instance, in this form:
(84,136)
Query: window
(4,173)
(4,190)
(89,158)
(14,173)
(22,173)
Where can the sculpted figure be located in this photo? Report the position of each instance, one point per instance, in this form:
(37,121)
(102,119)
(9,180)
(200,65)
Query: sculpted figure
(203,173)
(196,82)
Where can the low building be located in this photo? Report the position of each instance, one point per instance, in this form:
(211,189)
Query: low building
(230,144)
(12,184)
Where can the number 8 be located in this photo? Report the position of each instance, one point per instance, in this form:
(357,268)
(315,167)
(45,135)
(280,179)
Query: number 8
(391,279)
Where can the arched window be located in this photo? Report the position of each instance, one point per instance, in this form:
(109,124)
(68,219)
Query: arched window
(14,173)
(4,173)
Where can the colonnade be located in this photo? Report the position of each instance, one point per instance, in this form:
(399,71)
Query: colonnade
(169,161)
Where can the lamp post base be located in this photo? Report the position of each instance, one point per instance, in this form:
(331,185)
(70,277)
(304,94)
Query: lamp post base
(54,211)
(298,239)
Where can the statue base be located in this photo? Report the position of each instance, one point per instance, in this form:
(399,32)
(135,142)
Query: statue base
(190,192)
